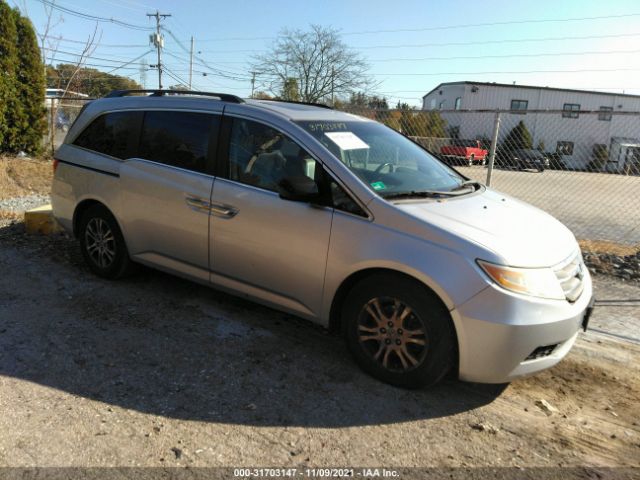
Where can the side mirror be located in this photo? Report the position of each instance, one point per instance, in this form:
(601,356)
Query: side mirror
(298,189)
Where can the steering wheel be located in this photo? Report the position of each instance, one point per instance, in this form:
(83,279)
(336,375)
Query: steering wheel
(388,164)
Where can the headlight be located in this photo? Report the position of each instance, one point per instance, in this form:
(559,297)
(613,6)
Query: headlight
(538,282)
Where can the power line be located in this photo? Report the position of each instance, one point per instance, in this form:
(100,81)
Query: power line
(446,27)
(429,74)
(488,42)
(493,24)
(219,72)
(518,55)
(132,62)
(83,42)
(211,71)
(88,64)
(88,16)
(449,44)
(112,59)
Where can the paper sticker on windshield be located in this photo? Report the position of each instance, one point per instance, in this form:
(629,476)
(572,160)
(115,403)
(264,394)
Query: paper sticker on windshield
(378,186)
(346,140)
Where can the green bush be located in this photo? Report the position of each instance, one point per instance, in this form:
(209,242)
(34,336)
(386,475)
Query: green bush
(22,84)
(519,137)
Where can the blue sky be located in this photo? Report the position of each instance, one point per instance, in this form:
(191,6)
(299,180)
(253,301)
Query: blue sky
(445,42)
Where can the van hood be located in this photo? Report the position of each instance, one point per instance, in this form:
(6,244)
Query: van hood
(522,235)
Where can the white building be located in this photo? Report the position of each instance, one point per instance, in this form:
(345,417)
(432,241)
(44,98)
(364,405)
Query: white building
(55,95)
(568,132)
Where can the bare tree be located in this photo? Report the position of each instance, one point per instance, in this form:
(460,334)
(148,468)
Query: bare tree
(320,63)
(48,42)
(87,50)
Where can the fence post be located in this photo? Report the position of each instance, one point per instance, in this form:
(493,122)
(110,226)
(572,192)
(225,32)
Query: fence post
(492,153)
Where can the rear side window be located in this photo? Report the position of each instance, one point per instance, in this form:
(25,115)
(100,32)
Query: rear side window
(179,139)
(112,134)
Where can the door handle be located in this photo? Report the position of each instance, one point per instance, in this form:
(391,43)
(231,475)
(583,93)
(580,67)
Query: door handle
(198,204)
(223,211)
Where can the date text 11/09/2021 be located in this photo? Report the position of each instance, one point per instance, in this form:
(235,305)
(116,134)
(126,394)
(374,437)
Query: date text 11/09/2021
(315,473)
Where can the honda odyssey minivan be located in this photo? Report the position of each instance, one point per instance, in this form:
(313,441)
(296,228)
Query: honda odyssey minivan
(329,216)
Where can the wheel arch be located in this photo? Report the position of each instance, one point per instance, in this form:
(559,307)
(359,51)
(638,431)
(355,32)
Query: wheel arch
(355,277)
(83,206)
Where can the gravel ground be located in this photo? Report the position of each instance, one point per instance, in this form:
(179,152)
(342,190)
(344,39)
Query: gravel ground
(21,204)
(595,206)
(156,371)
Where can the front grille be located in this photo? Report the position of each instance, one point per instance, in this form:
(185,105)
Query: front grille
(541,352)
(570,274)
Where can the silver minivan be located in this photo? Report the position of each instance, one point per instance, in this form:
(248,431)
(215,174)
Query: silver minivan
(328,216)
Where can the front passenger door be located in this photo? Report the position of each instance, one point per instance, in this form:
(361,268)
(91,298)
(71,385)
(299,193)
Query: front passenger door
(271,249)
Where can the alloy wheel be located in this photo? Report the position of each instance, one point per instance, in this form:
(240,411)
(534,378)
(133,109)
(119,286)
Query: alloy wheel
(100,242)
(392,334)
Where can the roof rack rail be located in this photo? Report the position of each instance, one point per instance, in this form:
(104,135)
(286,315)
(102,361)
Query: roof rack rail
(225,97)
(320,105)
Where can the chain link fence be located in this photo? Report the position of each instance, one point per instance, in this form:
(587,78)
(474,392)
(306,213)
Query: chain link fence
(61,113)
(583,167)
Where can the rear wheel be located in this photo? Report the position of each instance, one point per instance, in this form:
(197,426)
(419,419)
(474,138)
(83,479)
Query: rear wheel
(398,331)
(102,243)
(471,159)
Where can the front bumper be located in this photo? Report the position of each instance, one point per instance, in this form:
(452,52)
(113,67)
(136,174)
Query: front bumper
(498,330)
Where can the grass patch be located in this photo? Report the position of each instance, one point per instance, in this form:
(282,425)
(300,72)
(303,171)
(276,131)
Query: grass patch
(24,176)
(611,248)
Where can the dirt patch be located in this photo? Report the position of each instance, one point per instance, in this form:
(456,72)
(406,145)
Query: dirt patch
(10,215)
(24,176)
(99,373)
(612,248)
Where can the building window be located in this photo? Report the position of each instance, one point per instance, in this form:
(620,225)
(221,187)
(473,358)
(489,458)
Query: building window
(442,105)
(457,104)
(564,148)
(433,104)
(605,114)
(519,105)
(570,110)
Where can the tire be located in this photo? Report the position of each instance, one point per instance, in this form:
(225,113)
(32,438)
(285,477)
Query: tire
(102,244)
(427,354)
(471,159)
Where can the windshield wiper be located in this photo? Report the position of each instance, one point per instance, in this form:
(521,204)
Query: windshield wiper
(467,183)
(419,194)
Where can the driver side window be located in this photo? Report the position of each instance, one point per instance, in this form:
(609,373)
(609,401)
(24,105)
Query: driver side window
(262,156)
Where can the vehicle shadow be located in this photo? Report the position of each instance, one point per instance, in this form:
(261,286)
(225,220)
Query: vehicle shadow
(158,344)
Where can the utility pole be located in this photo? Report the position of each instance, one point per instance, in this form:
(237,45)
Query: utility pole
(191,64)
(253,82)
(158,40)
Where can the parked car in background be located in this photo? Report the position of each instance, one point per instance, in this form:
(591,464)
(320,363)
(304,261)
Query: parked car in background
(523,159)
(464,151)
(329,216)
(63,122)
(555,161)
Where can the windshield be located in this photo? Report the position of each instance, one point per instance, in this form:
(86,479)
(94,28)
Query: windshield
(385,160)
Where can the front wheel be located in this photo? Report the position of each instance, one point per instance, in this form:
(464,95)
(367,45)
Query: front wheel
(398,331)
(102,243)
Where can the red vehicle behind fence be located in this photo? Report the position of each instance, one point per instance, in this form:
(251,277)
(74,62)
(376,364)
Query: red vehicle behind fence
(467,151)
